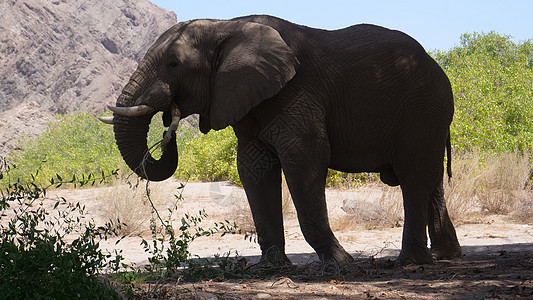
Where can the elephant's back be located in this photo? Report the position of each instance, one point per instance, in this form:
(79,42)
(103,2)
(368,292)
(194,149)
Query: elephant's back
(369,36)
(382,77)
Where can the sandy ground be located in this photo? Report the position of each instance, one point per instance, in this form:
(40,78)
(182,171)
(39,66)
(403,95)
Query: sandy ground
(497,262)
(222,201)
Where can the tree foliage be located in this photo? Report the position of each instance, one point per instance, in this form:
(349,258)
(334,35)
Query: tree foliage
(492,81)
(49,249)
(73,144)
(210,157)
(79,144)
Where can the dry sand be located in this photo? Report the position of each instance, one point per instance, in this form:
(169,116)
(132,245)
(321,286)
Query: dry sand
(222,200)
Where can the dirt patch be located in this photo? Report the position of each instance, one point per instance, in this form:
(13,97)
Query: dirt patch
(495,275)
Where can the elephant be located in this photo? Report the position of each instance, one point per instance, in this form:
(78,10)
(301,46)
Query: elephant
(302,100)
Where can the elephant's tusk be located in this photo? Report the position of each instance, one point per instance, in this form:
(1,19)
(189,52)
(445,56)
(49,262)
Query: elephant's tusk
(132,111)
(107,120)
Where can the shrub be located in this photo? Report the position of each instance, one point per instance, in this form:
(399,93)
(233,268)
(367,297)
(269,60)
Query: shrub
(74,144)
(80,144)
(488,183)
(491,77)
(57,256)
(338,179)
(36,259)
(169,247)
(210,157)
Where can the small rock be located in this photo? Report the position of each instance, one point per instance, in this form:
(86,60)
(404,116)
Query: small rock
(263,296)
(205,296)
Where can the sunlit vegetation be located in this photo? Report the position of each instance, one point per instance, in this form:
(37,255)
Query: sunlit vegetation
(492,80)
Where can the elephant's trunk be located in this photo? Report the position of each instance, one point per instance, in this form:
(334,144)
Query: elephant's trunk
(131,132)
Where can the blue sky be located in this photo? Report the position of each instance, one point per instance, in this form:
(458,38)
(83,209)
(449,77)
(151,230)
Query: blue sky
(435,24)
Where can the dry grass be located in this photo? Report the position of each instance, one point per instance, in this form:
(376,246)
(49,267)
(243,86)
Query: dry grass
(391,205)
(493,184)
(286,200)
(481,185)
(128,202)
(240,212)
(379,209)
(459,192)
(243,216)
(503,177)
(523,210)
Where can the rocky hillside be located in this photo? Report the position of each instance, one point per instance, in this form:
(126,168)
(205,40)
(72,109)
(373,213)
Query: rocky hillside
(61,56)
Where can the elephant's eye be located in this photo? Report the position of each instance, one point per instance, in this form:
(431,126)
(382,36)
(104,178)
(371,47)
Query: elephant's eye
(172,64)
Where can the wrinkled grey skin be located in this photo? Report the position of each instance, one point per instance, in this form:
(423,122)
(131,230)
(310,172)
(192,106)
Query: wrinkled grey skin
(360,99)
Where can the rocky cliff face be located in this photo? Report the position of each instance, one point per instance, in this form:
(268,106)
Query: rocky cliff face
(61,56)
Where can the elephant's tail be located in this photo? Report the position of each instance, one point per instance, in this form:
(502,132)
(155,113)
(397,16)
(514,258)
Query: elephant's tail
(449,156)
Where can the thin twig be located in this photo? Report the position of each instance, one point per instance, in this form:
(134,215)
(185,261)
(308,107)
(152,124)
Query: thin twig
(147,186)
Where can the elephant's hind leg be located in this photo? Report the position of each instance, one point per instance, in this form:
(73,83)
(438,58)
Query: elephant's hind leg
(414,238)
(418,166)
(444,243)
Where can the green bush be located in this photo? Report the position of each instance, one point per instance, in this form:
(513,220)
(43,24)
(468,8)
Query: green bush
(36,259)
(80,144)
(210,157)
(338,179)
(49,249)
(492,79)
(73,144)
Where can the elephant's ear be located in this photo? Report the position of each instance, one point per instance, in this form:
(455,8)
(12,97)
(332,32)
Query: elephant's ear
(253,64)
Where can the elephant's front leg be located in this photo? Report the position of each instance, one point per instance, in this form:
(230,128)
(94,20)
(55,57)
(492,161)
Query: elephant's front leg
(260,173)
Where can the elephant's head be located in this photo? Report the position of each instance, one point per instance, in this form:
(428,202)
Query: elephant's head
(218,69)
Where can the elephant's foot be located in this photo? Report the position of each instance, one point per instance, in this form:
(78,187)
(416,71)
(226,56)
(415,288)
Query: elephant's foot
(332,263)
(273,257)
(414,256)
(322,268)
(452,252)
(272,261)
(265,266)
(444,244)
(336,254)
